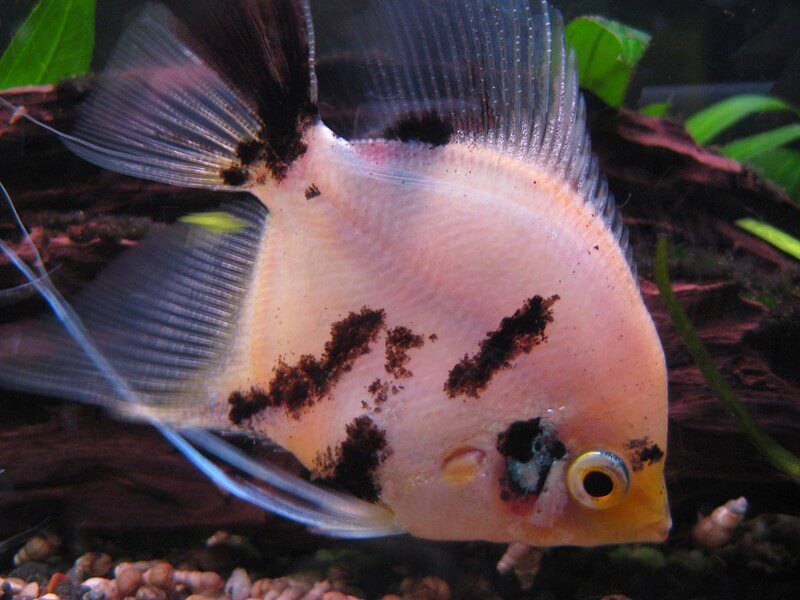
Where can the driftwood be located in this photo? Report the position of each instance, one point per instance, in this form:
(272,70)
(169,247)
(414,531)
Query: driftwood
(75,463)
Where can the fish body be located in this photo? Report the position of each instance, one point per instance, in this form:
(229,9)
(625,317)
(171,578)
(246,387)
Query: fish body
(440,318)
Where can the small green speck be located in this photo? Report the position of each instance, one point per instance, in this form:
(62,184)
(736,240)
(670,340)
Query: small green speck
(218,222)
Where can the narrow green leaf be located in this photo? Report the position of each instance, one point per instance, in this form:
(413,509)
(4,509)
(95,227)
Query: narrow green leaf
(750,147)
(772,235)
(776,454)
(54,42)
(607,53)
(657,109)
(707,124)
(218,222)
(781,165)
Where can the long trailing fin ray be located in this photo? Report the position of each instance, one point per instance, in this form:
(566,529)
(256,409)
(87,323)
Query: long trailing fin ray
(164,315)
(492,72)
(340,513)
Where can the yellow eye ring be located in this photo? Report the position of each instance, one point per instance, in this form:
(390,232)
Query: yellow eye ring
(598,479)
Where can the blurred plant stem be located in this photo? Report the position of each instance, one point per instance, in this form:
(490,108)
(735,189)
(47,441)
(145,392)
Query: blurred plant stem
(776,454)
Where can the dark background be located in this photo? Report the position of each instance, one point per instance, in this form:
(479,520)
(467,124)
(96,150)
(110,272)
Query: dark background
(737,45)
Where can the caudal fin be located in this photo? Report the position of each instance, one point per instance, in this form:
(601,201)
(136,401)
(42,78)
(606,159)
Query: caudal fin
(220,103)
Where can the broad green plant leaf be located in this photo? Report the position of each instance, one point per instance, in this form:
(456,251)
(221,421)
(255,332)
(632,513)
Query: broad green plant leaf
(707,124)
(657,109)
(781,165)
(218,222)
(780,457)
(54,42)
(772,235)
(750,147)
(607,53)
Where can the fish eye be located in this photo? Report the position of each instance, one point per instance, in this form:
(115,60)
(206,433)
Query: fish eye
(598,479)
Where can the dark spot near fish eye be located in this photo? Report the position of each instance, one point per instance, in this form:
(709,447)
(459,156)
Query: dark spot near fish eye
(433,337)
(354,464)
(516,335)
(530,449)
(312,192)
(645,452)
(428,127)
(398,342)
(597,247)
(235,176)
(297,387)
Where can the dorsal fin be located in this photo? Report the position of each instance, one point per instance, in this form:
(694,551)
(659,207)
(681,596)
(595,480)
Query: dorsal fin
(196,103)
(495,73)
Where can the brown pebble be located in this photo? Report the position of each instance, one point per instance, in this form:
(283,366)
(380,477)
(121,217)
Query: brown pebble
(142,565)
(260,587)
(204,583)
(336,595)
(36,548)
(391,597)
(150,592)
(290,593)
(159,576)
(439,586)
(129,580)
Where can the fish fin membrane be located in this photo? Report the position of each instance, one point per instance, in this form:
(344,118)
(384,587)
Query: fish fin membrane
(495,73)
(164,316)
(170,109)
(326,511)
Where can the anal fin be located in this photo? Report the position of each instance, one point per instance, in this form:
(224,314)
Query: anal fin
(165,316)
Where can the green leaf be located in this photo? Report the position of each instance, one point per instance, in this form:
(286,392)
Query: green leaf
(707,124)
(776,454)
(772,235)
(782,166)
(607,53)
(657,109)
(750,147)
(54,42)
(218,222)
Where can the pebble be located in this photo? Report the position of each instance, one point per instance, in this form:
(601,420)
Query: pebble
(160,575)
(129,580)
(150,592)
(238,585)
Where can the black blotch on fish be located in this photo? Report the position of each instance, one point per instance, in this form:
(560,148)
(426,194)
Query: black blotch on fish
(354,464)
(262,50)
(235,176)
(297,387)
(530,449)
(428,127)
(516,335)
(398,342)
(312,192)
(379,390)
(645,452)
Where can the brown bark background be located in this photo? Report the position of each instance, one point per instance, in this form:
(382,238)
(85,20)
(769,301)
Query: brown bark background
(75,464)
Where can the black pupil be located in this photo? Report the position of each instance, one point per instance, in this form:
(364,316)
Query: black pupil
(597,484)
